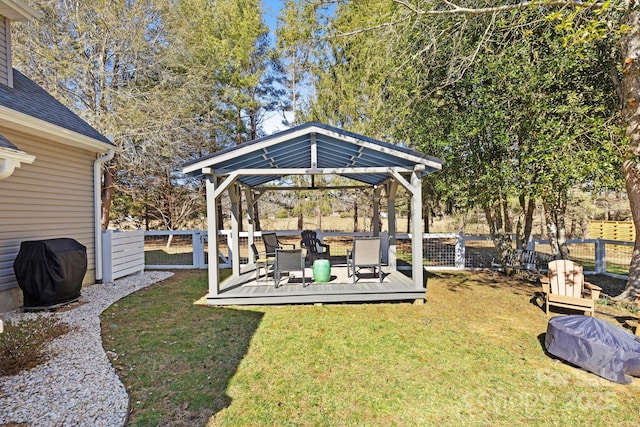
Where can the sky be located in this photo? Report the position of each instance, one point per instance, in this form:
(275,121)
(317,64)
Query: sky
(271,8)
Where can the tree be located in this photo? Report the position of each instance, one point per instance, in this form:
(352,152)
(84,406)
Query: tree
(90,55)
(587,22)
(522,100)
(411,33)
(477,102)
(167,81)
(299,27)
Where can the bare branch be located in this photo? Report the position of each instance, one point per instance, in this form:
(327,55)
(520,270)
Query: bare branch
(454,9)
(373,28)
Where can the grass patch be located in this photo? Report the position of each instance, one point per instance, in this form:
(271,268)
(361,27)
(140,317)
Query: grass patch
(473,355)
(23,344)
(163,257)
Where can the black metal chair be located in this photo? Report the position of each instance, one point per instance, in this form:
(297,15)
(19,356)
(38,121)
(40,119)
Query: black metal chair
(271,243)
(315,248)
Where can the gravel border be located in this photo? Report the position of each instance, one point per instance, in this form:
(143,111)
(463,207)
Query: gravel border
(77,386)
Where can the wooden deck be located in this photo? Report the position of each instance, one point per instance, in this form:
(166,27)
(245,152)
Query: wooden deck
(244,290)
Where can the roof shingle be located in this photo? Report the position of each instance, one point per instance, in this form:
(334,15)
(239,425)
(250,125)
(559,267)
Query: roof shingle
(29,98)
(5,143)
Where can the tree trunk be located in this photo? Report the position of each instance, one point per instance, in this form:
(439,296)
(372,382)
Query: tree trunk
(319,212)
(220,221)
(426,217)
(528,207)
(256,214)
(554,212)
(355,217)
(106,195)
(631,166)
(501,240)
(552,232)
(508,215)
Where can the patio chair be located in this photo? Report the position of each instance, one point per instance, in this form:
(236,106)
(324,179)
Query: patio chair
(565,287)
(366,253)
(271,243)
(315,248)
(287,261)
(262,261)
(522,262)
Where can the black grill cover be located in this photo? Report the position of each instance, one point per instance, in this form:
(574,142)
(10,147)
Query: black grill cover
(50,272)
(594,345)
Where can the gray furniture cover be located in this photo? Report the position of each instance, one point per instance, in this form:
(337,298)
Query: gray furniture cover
(594,345)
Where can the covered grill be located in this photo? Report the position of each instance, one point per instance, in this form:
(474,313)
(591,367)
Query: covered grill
(50,272)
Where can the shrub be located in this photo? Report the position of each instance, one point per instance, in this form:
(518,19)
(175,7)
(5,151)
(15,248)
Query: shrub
(23,345)
(282,213)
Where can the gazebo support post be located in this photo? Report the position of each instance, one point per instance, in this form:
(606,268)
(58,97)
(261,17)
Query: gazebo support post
(234,195)
(377,190)
(417,269)
(392,188)
(212,227)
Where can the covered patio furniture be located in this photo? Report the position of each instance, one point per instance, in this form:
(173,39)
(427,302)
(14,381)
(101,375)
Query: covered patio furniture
(287,261)
(565,287)
(271,243)
(594,345)
(315,248)
(262,261)
(365,253)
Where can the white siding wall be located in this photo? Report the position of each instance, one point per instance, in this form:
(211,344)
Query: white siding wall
(53,197)
(6,73)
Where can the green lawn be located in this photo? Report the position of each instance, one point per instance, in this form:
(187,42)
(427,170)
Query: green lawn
(472,355)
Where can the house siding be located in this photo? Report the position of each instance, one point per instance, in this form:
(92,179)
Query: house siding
(5,52)
(53,197)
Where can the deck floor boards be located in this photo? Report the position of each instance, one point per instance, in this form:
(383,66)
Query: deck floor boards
(244,290)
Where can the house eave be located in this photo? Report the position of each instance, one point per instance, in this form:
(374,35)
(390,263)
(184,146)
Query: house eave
(17,10)
(24,123)
(11,159)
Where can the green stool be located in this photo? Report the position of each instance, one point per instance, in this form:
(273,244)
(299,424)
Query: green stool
(321,270)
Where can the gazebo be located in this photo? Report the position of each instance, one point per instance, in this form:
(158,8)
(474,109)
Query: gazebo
(314,149)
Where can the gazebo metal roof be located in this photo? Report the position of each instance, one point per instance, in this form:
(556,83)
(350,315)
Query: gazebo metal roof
(313,149)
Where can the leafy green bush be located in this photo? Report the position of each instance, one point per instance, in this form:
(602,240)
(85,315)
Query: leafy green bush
(282,213)
(23,345)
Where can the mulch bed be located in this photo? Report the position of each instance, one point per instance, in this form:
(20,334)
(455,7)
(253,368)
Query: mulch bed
(610,285)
